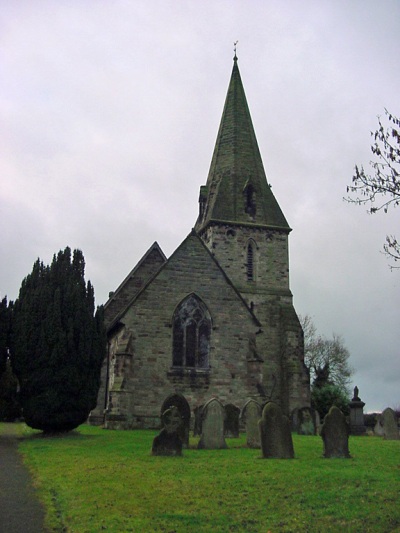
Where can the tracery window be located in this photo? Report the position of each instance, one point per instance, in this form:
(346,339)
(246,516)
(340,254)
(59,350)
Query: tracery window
(191,334)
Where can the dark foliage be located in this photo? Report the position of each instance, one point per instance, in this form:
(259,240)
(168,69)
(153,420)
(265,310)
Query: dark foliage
(5,332)
(9,405)
(322,399)
(58,344)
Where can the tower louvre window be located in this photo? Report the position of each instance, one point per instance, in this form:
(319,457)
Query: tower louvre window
(191,334)
(250,200)
(250,262)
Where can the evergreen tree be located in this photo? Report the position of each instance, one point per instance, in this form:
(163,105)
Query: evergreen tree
(9,406)
(5,332)
(58,344)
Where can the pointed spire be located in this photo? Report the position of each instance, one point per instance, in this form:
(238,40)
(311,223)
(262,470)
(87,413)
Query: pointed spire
(237,190)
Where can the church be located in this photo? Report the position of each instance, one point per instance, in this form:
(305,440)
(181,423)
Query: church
(216,318)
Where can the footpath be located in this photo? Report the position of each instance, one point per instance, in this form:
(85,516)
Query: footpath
(20,509)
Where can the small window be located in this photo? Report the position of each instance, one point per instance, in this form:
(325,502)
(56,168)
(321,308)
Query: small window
(250,200)
(250,261)
(191,334)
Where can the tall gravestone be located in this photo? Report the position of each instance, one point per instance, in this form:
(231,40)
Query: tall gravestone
(356,406)
(275,433)
(335,434)
(169,441)
(251,414)
(180,402)
(212,430)
(231,423)
(389,424)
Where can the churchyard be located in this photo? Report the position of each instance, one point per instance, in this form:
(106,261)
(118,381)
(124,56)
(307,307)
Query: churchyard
(92,480)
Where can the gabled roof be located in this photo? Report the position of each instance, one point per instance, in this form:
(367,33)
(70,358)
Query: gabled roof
(202,248)
(148,265)
(237,174)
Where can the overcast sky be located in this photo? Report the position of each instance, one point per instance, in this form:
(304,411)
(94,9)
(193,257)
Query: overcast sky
(109,112)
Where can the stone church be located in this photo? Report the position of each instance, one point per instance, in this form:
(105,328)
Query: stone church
(215,319)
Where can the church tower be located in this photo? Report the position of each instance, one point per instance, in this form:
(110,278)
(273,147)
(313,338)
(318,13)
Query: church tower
(241,223)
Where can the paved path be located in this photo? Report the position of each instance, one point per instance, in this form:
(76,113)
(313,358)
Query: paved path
(20,510)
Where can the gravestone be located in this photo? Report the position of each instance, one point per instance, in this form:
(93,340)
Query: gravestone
(275,433)
(389,424)
(378,428)
(356,406)
(304,421)
(335,434)
(231,422)
(251,414)
(212,432)
(169,441)
(180,402)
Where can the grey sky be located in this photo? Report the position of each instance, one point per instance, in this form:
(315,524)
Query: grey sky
(109,114)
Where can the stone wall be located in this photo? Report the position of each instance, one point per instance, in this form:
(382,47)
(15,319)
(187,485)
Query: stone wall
(233,375)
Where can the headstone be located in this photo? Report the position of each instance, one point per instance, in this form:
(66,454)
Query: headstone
(378,428)
(335,434)
(251,414)
(304,421)
(275,433)
(180,402)
(169,442)
(356,406)
(231,422)
(389,423)
(212,432)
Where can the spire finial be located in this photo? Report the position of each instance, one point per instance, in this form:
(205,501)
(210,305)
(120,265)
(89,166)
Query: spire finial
(234,49)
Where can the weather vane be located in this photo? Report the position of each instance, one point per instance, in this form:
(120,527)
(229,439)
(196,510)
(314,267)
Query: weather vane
(234,47)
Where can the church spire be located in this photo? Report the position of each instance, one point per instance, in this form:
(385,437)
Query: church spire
(237,191)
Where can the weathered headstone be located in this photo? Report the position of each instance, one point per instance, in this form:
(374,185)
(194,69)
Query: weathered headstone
(275,433)
(304,421)
(169,442)
(212,432)
(356,406)
(335,434)
(251,414)
(378,429)
(180,402)
(389,424)
(231,422)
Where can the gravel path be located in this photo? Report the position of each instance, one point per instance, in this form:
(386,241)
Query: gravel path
(20,509)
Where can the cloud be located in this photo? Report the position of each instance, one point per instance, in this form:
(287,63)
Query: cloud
(109,114)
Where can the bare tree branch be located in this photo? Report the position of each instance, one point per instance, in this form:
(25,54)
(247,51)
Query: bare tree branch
(383,185)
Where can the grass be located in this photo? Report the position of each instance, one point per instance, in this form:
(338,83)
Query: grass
(93,480)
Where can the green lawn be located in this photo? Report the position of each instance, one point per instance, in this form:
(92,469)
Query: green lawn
(94,480)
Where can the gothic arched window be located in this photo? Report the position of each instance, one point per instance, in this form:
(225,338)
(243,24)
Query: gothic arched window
(191,334)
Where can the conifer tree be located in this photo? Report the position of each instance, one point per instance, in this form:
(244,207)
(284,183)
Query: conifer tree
(58,344)
(5,332)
